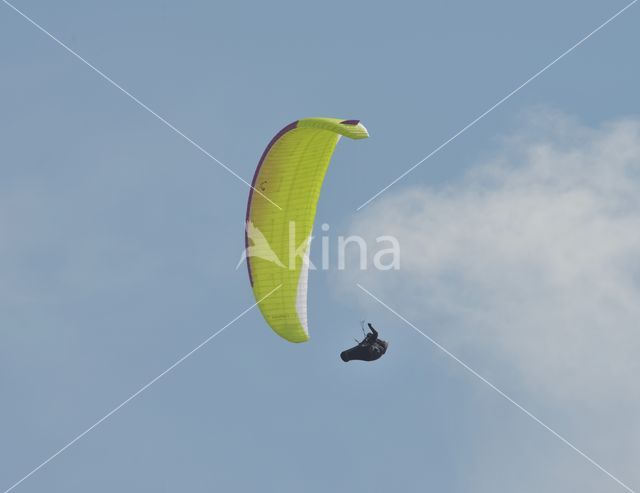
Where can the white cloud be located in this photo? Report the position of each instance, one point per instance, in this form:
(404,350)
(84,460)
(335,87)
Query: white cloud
(534,259)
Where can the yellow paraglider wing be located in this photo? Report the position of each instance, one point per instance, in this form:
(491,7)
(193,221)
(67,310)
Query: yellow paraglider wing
(280,217)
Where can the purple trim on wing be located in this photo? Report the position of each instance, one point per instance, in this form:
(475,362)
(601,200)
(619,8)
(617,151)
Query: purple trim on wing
(350,122)
(286,129)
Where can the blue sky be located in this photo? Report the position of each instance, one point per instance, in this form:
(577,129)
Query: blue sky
(118,242)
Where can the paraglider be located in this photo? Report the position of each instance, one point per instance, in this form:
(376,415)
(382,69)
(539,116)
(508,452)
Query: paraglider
(280,215)
(370,348)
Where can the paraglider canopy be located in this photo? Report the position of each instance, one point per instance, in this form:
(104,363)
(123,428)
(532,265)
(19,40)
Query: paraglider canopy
(280,215)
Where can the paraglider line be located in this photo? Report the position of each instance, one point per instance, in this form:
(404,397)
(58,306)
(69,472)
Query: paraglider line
(500,392)
(476,120)
(137,101)
(142,389)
